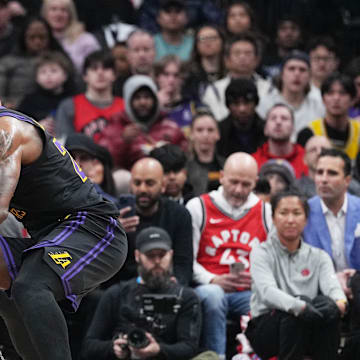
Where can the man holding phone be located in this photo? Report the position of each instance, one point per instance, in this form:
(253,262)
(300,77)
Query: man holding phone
(227,223)
(152,209)
(236,268)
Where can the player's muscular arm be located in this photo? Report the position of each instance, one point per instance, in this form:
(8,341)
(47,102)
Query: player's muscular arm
(10,165)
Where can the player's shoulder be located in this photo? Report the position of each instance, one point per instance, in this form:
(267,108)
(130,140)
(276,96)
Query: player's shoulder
(19,137)
(8,122)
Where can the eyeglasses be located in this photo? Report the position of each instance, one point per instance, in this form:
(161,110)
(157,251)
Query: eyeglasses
(323,58)
(205,38)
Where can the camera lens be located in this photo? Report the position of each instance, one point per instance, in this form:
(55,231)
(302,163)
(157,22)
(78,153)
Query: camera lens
(138,339)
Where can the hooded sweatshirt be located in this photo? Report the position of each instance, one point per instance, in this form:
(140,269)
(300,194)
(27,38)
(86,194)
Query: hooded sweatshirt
(155,131)
(131,86)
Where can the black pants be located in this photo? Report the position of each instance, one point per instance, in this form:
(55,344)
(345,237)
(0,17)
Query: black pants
(351,323)
(283,335)
(6,345)
(355,303)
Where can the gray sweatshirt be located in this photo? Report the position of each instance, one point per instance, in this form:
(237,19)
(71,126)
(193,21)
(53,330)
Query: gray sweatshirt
(279,276)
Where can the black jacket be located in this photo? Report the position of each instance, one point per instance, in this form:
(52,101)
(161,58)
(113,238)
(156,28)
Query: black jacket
(199,177)
(176,220)
(232,140)
(119,312)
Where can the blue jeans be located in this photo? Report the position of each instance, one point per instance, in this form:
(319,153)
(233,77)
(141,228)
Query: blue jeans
(216,305)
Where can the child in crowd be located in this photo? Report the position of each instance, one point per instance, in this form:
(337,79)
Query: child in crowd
(17,69)
(54,83)
(90,111)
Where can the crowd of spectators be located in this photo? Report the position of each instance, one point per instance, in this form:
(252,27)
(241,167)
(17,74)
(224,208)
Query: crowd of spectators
(190,115)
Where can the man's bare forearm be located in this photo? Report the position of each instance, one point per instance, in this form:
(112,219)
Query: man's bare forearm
(10,166)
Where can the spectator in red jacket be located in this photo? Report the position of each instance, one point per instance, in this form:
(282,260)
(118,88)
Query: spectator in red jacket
(278,128)
(141,127)
(89,112)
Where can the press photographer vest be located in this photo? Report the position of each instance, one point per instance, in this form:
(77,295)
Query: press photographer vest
(225,240)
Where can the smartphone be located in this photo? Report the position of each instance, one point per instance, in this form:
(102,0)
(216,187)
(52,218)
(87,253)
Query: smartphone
(237,267)
(127,200)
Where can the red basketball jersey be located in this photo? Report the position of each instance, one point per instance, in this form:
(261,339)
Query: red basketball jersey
(92,120)
(225,240)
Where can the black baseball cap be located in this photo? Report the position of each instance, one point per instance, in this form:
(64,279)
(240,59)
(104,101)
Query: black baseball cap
(152,238)
(296,55)
(167,4)
(82,142)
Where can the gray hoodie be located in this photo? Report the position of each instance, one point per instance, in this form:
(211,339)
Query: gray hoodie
(133,84)
(280,276)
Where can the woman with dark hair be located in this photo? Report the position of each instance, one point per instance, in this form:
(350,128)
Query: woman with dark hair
(95,161)
(296,300)
(26,46)
(207,60)
(239,18)
(17,70)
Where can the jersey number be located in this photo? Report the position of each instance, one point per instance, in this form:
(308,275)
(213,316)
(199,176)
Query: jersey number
(227,258)
(63,152)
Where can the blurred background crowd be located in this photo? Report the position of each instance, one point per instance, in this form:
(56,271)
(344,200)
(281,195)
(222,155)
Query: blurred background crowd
(187,83)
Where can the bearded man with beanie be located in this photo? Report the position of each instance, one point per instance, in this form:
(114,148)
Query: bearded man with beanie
(140,127)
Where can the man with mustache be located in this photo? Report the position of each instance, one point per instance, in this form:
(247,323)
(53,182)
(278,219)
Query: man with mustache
(151,209)
(227,223)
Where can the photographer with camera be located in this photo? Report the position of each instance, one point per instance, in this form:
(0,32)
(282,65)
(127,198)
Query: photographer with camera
(148,317)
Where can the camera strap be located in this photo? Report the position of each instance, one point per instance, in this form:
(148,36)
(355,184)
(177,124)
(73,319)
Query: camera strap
(179,298)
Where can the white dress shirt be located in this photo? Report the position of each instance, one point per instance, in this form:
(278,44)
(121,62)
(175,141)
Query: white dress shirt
(336,226)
